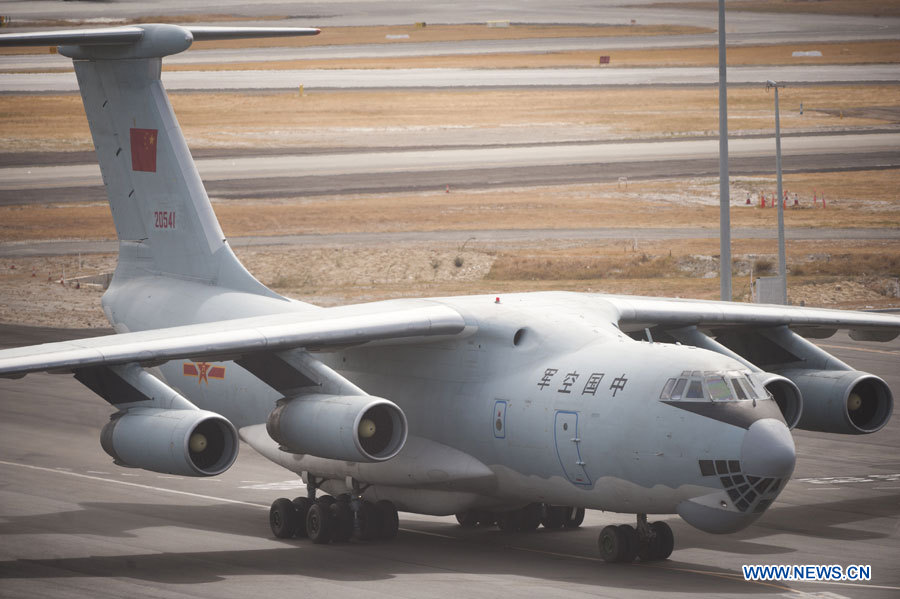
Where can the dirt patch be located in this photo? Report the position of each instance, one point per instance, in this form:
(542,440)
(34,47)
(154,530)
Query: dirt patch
(330,275)
(865,199)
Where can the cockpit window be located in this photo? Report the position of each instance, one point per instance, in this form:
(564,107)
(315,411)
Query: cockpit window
(712,386)
(667,390)
(718,388)
(739,389)
(695,391)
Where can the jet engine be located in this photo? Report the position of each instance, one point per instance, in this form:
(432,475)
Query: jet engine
(352,428)
(842,401)
(184,442)
(786,395)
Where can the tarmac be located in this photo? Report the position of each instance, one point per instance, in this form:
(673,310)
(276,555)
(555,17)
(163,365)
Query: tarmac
(72,524)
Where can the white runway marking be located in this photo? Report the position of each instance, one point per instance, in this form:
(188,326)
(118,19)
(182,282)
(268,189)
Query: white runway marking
(130,484)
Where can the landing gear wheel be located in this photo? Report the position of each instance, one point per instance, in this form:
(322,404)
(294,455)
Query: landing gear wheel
(369,522)
(342,516)
(648,549)
(326,500)
(629,549)
(390,521)
(555,517)
(610,544)
(319,524)
(467,519)
(301,506)
(283,518)
(575,516)
(666,539)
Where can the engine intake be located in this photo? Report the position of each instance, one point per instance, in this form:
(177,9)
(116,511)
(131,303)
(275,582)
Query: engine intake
(352,428)
(842,401)
(786,395)
(184,442)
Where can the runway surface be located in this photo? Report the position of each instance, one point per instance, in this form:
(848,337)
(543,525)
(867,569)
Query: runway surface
(486,238)
(313,79)
(72,524)
(365,171)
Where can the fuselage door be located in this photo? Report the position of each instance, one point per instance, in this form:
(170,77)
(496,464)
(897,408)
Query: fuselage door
(568,448)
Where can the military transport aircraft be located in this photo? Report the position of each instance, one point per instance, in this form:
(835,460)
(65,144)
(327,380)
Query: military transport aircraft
(517,411)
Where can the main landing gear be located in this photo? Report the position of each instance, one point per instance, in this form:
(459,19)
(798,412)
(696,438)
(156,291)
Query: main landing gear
(624,543)
(330,519)
(525,519)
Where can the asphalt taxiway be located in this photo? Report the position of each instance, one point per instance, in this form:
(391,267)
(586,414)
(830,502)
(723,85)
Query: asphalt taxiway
(72,524)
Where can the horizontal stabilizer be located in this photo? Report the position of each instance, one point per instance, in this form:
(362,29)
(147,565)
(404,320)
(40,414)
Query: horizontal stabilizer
(141,41)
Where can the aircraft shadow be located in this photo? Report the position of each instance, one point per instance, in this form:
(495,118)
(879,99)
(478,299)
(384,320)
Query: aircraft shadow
(417,550)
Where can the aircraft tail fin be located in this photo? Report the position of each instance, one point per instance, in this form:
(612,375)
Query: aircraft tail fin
(163,218)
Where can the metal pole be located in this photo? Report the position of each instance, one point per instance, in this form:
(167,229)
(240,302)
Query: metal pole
(724,200)
(782,261)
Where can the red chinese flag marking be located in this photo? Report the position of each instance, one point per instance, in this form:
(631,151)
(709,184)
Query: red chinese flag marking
(143,150)
(217,372)
(190,369)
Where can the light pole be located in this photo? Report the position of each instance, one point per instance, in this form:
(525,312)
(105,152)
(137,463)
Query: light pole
(782,262)
(724,199)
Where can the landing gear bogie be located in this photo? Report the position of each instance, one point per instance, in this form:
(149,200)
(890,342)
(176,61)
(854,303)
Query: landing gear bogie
(327,519)
(647,542)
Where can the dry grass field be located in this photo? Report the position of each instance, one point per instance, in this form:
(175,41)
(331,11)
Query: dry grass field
(847,273)
(56,122)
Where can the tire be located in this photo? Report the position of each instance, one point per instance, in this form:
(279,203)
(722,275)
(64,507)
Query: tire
(326,500)
(648,549)
(666,539)
(301,506)
(283,518)
(319,524)
(390,520)
(467,519)
(555,517)
(531,517)
(630,543)
(342,516)
(369,522)
(610,544)
(574,517)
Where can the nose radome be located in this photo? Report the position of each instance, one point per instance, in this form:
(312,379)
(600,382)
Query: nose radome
(768,450)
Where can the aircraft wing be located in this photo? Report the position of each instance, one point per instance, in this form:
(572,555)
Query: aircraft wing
(231,339)
(638,313)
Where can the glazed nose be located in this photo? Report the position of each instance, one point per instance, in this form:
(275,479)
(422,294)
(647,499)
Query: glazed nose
(768,450)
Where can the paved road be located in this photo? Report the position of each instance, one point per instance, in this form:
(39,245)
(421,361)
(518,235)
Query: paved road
(474,237)
(72,524)
(299,174)
(392,12)
(472,78)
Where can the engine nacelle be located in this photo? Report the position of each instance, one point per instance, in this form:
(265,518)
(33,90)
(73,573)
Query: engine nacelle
(352,428)
(184,442)
(786,395)
(842,401)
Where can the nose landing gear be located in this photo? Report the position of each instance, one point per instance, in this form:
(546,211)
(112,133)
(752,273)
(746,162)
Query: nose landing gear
(649,542)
